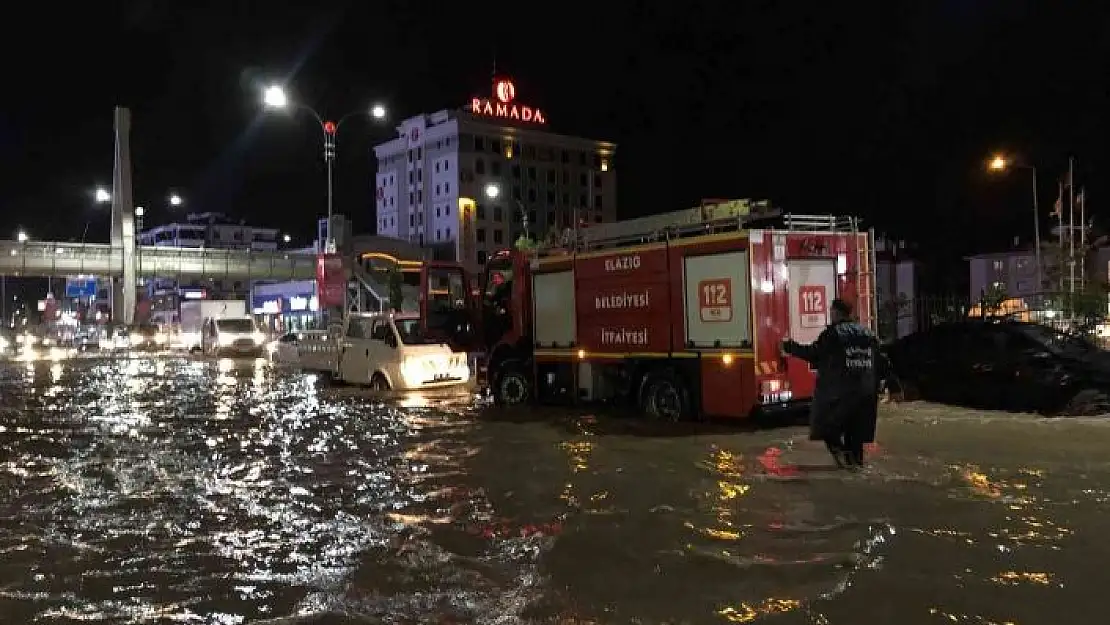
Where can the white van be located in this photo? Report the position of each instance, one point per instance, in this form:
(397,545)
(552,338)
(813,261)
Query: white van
(386,351)
(231,336)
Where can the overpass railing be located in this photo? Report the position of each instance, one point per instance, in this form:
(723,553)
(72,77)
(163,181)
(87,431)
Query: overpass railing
(36,258)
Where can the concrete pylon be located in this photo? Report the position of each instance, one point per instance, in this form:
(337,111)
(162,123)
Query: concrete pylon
(123,221)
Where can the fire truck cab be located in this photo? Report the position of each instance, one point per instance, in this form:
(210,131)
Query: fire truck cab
(678,315)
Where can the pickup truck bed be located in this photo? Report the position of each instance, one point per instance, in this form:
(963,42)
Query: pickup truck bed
(317,351)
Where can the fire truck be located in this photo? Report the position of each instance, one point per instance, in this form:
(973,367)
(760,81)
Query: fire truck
(679,315)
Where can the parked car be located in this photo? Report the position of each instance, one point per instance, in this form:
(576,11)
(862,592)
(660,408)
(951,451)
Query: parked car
(1004,365)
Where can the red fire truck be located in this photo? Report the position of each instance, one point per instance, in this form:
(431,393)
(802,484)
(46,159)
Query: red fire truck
(680,315)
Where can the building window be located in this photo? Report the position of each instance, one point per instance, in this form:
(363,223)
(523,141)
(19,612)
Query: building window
(446,209)
(447,233)
(597,201)
(998,265)
(497,214)
(481,257)
(497,235)
(479,166)
(480,235)
(481,212)
(495,168)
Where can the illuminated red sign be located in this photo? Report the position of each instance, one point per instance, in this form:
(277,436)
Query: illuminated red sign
(503,105)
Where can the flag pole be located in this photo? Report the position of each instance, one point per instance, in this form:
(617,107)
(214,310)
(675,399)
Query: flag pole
(1082,238)
(1071,222)
(1037,235)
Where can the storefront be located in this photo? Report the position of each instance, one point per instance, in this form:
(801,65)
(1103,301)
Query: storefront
(286,306)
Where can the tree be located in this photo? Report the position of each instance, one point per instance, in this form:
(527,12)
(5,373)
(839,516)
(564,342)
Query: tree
(524,243)
(992,299)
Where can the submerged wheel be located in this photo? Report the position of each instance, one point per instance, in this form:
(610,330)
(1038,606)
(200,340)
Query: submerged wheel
(512,385)
(379,383)
(664,397)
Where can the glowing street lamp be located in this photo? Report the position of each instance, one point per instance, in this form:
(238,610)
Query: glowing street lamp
(175,200)
(274,97)
(999,163)
(21,236)
(287,238)
(493,191)
(102,195)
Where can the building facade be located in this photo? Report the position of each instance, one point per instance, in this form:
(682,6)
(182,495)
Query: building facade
(1014,272)
(433,178)
(897,288)
(212,230)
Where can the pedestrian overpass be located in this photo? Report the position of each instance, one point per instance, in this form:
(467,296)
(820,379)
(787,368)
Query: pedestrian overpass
(46,259)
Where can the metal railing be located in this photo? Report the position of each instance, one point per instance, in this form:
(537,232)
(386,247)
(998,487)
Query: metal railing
(36,258)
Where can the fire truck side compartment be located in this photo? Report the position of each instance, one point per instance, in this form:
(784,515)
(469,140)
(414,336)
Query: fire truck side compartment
(718,306)
(554,296)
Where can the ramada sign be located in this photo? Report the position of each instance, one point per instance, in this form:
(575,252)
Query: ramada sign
(502,104)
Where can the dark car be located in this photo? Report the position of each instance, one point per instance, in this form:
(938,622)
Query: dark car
(1004,365)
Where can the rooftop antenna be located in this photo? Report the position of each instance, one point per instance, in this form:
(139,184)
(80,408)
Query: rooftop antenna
(493,75)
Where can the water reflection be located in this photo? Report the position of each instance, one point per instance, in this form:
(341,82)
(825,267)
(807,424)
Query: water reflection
(181,490)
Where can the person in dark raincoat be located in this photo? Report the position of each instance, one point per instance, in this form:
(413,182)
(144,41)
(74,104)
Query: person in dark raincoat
(846,401)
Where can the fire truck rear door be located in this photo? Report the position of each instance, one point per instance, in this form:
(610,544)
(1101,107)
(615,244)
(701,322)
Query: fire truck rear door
(811,288)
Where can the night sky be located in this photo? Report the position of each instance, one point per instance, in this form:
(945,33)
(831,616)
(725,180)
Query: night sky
(887,110)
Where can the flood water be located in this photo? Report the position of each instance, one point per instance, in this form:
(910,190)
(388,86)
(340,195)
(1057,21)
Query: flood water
(164,490)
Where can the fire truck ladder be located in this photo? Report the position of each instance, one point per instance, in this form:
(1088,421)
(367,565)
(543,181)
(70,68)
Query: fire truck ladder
(865,259)
(707,219)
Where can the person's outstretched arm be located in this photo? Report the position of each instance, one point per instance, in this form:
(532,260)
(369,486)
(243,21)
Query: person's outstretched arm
(811,353)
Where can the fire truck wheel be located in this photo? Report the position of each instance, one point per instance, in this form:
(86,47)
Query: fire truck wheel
(664,397)
(513,387)
(379,383)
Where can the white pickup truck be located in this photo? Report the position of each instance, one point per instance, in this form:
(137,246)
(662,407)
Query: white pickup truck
(386,351)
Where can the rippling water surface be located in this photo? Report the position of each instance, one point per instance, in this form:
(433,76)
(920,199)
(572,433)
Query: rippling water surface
(163,490)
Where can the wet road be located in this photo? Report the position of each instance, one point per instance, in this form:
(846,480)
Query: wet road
(175,491)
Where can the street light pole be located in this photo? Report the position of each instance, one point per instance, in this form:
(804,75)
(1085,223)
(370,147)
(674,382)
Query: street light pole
(330,129)
(274,97)
(1001,163)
